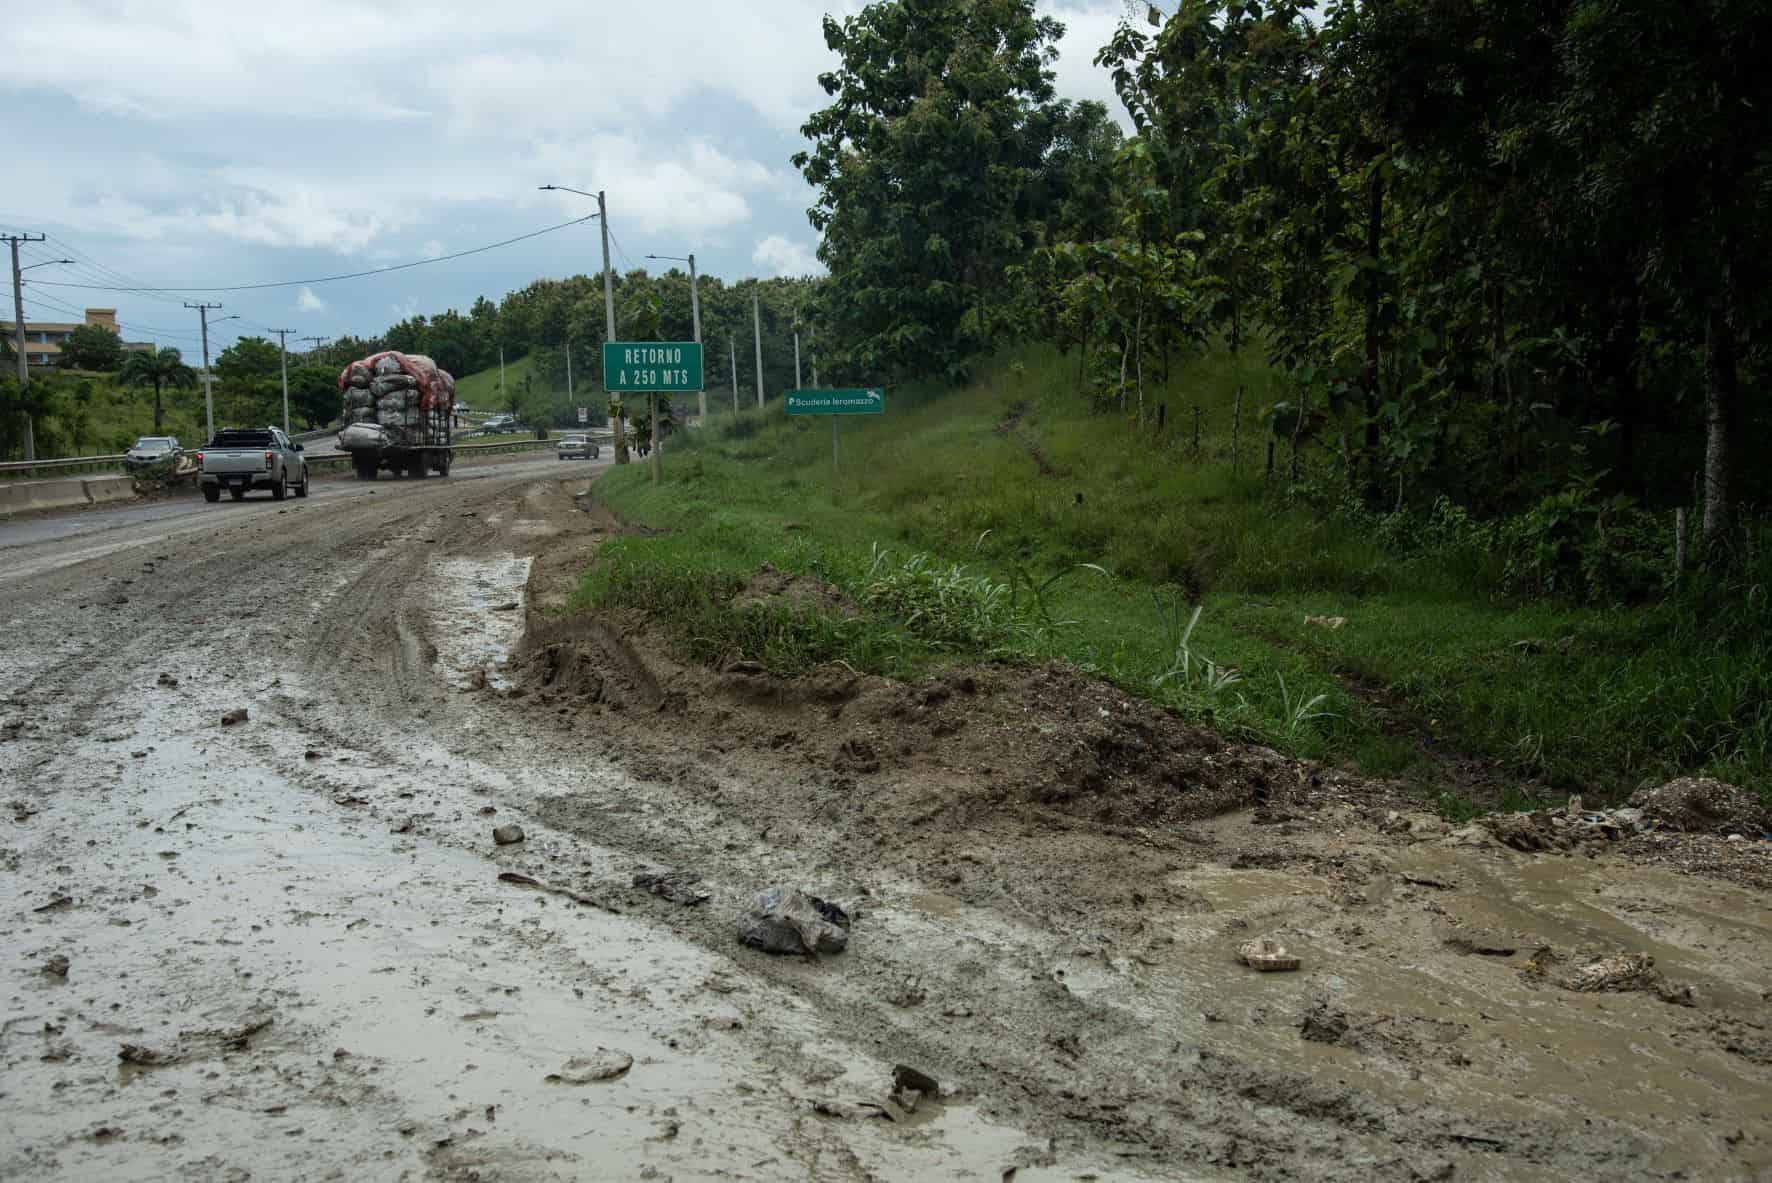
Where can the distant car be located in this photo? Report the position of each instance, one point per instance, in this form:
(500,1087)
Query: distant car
(462,408)
(150,450)
(499,424)
(576,446)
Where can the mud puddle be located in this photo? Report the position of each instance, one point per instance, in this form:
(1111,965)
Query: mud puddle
(320,977)
(477,618)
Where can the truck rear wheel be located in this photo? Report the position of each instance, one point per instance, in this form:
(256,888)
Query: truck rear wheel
(418,468)
(212,493)
(367,468)
(443,464)
(280,490)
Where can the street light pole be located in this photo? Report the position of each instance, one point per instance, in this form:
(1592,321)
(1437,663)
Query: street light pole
(18,329)
(621,442)
(695,319)
(283,359)
(208,380)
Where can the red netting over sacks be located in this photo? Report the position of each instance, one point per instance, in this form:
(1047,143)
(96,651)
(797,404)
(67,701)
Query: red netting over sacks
(436,387)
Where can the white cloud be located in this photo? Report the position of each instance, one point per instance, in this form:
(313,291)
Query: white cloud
(217,142)
(779,255)
(307,301)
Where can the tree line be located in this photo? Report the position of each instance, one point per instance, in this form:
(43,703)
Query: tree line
(1513,255)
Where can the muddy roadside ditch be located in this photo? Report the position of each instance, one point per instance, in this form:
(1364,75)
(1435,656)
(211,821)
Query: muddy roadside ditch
(1057,879)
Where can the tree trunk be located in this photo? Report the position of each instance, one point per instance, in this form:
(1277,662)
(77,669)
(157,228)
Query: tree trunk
(1369,379)
(1139,347)
(1125,348)
(1720,408)
(156,408)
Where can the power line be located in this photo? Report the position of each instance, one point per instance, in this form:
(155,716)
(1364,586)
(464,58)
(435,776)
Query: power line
(294,283)
(48,304)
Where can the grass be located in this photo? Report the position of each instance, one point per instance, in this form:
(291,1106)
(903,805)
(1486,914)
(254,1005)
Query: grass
(1175,572)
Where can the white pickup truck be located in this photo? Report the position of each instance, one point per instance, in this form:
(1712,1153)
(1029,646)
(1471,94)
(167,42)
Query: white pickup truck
(239,459)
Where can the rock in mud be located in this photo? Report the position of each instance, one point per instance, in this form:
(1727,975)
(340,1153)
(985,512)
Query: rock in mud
(237,715)
(1266,956)
(679,887)
(57,966)
(1322,1023)
(789,921)
(166,680)
(908,1079)
(603,1064)
(146,1057)
(507,835)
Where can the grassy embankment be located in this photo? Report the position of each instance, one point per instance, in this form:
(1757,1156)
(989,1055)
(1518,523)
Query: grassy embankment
(1009,483)
(480,390)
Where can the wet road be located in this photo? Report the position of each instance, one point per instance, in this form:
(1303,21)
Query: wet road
(281,949)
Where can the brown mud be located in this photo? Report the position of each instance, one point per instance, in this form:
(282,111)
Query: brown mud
(300,923)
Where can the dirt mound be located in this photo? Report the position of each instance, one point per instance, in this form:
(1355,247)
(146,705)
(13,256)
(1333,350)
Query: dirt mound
(1702,805)
(773,586)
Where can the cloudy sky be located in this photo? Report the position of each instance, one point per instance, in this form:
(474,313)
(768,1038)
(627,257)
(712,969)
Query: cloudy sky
(186,143)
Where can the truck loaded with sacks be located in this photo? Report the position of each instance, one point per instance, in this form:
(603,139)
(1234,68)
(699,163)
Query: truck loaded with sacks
(398,408)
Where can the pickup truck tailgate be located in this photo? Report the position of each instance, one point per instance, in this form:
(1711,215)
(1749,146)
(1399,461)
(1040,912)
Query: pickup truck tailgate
(235,460)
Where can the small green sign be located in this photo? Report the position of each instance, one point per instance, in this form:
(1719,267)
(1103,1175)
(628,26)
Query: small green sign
(651,366)
(871,401)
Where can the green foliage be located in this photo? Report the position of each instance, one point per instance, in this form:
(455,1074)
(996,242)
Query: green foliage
(248,359)
(92,347)
(161,369)
(1442,634)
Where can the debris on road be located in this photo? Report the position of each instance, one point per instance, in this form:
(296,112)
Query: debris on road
(143,1056)
(60,903)
(908,1079)
(521,880)
(679,887)
(1613,974)
(237,715)
(603,1064)
(789,921)
(1703,805)
(507,835)
(57,966)
(1266,956)
(166,680)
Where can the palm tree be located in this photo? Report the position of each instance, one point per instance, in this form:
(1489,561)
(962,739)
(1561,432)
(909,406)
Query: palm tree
(157,368)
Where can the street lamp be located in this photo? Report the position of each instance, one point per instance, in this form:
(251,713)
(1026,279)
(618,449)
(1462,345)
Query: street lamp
(621,446)
(695,313)
(208,378)
(18,328)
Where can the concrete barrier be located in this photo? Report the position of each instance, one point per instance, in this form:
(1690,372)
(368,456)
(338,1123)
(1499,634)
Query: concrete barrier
(28,496)
(109,488)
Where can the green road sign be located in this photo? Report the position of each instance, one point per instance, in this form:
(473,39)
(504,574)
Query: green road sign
(649,366)
(871,401)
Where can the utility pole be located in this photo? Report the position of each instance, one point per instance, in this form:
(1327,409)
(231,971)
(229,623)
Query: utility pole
(283,357)
(732,342)
(812,348)
(208,378)
(18,329)
(796,349)
(569,397)
(621,436)
(314,349)
(757,334)
(695,312)
(501,371)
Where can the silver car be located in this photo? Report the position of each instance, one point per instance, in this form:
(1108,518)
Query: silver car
(576,446)
(150,450)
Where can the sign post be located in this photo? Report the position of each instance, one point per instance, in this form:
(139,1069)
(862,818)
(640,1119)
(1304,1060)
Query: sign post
(584,414)
(652,368)
(864,401)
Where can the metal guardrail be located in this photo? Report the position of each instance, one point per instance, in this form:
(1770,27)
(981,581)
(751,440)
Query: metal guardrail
(77,464)
(62,467)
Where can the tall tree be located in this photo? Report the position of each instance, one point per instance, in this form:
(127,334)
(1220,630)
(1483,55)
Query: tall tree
(160,368)
(940,119)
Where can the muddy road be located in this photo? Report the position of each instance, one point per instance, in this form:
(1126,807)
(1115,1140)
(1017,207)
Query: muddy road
(282,948)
